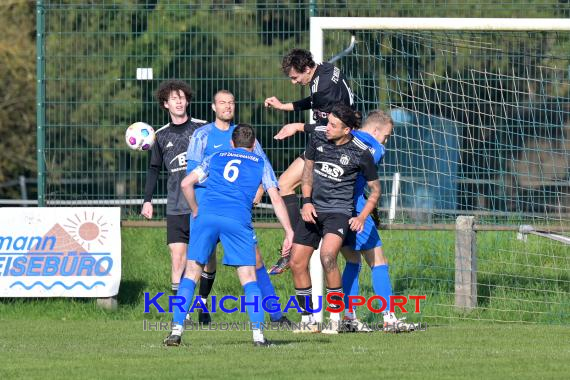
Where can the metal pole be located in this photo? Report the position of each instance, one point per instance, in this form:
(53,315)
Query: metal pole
(40,100)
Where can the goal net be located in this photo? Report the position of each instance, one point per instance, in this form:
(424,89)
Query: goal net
(481,110)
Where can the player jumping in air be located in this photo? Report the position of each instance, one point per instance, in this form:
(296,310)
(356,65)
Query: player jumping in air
(224,213)
(328,86)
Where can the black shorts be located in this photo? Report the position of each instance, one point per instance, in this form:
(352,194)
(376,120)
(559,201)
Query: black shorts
(310,234)
(177,228)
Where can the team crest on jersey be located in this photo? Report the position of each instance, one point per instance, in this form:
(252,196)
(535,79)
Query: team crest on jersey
(344,159)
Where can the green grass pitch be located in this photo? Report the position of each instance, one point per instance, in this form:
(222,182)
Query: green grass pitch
(73,338)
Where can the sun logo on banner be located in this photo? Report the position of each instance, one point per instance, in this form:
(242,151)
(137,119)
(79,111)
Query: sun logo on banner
(86,229)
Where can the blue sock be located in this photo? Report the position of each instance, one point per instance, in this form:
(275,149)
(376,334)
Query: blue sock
(381,283)
(251,290)
(267,290)
(186,290)
(350,284)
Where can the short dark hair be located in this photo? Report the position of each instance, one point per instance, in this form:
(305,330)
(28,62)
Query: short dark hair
(173,85)
(243,136)
(347,115)
(297,59)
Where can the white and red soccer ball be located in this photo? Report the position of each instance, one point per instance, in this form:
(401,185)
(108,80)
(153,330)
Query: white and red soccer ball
(140,136)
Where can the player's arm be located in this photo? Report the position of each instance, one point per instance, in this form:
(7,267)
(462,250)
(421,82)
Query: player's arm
(308,212)
(289,130)
(274,102)
(283,217)
(369,171)
(199,174)
(258,195)
(269,178)
(196,149)
(151,179)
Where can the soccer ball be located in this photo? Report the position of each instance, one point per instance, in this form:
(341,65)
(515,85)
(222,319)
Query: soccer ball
(140,136)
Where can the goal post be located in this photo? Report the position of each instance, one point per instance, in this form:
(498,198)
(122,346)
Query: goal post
(528,180)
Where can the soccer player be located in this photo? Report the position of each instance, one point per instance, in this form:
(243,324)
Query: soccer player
(224,213)
(374,132)
(173,96)
(333,161)
(206,141)
(328,87)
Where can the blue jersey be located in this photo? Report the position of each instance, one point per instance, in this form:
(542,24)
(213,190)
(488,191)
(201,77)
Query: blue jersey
(378,152)
(210,140)
(233,179)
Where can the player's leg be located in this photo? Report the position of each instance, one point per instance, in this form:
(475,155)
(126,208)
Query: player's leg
(204,239)
(254,299)
(335,228)
(383,287)
(288,182)
(305,241)
(206,283)
(240,251)
(350,284)
(177,236)
(267,289)
(329,252)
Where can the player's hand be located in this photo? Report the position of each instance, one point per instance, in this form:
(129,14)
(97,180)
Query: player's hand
(147,210)
(308,213)
(273,102)
(194,213)
(288,130)
(287,244)
(356,223)
(258,196)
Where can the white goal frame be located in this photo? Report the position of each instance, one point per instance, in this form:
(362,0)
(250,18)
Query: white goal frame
(319,24)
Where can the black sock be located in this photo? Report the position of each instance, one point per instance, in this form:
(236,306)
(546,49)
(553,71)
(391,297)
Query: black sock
(336,298)
(304,295)
(292,205)
(206,283)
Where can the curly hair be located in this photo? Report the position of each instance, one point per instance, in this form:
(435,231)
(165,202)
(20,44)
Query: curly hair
(166,87)
(297,59)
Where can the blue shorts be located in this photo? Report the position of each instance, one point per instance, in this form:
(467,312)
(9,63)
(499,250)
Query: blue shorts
(367,239)
(237,240)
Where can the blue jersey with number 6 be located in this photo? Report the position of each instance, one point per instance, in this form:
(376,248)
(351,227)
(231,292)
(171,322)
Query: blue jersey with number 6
(233,179)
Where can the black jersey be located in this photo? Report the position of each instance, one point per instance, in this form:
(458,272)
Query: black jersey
(328,87)
(170,149)
(335,170)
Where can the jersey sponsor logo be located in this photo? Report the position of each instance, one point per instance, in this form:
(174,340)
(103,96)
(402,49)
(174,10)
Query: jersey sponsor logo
(170,144)
(344,159)
(217,146)
(181,161)
(329,170)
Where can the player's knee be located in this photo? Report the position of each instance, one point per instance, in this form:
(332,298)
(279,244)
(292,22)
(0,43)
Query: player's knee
(285,186)
(329,261)
(297,265)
